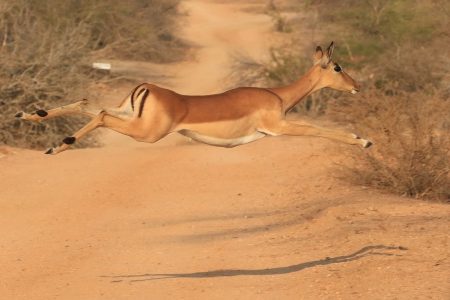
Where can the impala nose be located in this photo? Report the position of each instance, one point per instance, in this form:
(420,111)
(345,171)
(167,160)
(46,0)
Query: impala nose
(355,88)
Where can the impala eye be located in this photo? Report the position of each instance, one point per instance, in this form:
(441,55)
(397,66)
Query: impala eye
(337,68)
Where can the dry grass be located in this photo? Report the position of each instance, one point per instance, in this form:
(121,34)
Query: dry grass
(280,22)
(47,47)
(411,155)
(398,51)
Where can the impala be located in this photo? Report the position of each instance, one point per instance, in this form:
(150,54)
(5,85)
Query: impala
(229,119)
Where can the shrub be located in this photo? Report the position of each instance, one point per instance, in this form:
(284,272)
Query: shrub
(411,155)
(397,50)
(279,21)
(47,47)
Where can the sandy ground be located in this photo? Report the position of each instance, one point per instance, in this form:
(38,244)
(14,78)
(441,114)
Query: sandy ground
(179,220)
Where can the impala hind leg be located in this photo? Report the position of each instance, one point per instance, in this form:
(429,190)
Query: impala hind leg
(304,129)
(80,107)
(96,122)
(103,119)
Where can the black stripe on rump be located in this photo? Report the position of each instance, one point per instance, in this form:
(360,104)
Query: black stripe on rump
(144,97)
(132,95)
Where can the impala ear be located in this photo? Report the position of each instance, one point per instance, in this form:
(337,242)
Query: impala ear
(318,55)
(330,51)
(323,59)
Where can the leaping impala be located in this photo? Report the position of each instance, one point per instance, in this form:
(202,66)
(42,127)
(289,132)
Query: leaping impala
(229,119)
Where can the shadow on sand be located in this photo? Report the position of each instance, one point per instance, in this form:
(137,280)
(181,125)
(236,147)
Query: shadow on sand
(366,251)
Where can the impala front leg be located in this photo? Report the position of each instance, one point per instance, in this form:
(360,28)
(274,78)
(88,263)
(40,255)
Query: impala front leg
(303,129)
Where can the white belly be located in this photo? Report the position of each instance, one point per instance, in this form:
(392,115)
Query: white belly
(222,142)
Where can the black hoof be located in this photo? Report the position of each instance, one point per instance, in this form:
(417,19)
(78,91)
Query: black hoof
(368,144)
(49,151)
(19,115)
(69,140)
(41,113)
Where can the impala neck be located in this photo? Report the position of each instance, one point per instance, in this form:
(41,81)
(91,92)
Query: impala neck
(295,92)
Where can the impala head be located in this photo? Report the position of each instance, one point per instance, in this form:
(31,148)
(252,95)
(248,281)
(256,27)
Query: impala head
(331,73)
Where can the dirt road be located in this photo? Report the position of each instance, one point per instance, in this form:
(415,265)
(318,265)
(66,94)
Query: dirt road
(262,221)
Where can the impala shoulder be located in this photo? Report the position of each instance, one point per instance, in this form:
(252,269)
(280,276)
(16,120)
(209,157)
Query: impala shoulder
(274,94)
(239,90)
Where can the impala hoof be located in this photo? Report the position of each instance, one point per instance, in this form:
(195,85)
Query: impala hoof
(49,151)
(19,115)
(367,144)
(41,113)
(69,140)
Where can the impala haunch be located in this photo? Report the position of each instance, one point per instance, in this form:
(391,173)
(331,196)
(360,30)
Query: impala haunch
(229,119)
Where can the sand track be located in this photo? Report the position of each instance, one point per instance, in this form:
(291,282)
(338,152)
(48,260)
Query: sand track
(261,221)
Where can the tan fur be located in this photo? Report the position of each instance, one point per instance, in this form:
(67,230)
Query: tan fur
(228,119)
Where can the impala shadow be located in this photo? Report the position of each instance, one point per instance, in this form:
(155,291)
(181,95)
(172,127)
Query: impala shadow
(363,252)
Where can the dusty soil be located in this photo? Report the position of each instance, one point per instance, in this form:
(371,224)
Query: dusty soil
(179,220)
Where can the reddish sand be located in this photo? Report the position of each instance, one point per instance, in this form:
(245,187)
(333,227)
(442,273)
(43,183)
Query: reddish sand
(180,220)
